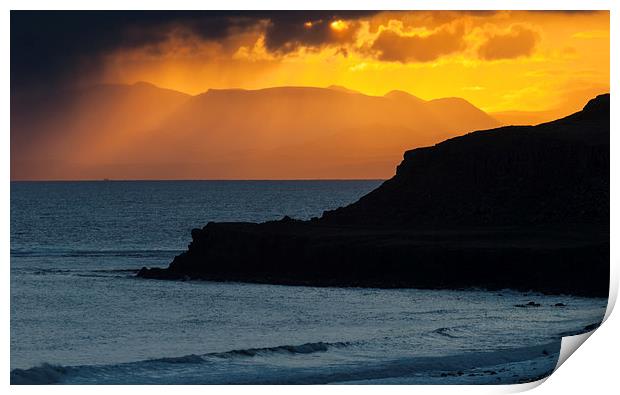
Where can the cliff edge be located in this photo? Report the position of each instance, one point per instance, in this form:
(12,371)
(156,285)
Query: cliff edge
(514,207)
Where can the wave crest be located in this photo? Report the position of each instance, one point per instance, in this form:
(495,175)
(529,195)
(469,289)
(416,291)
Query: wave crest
(43,374)
(306,348)
(191,358)
(51,374)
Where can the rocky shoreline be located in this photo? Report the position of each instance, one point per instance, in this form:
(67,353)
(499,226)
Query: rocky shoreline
(515,207)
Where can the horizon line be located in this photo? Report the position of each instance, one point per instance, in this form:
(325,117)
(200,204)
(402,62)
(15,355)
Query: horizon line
(197,179)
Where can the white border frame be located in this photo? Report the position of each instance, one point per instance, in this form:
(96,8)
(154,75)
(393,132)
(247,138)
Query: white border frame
(592,370)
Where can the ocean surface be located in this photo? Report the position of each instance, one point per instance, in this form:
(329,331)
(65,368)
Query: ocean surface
(80,316)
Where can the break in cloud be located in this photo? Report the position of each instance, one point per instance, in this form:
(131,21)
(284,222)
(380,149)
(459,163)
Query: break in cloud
(287,32)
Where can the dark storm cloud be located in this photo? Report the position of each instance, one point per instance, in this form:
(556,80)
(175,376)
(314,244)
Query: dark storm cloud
(287,31)
(59,47)
(49,47)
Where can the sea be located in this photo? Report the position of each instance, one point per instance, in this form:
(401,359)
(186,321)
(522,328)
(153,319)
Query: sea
(79,315)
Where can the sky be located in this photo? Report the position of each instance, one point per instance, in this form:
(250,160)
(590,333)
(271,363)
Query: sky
(154,94)
(497,60)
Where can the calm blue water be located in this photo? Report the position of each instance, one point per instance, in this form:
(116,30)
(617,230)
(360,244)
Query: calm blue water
(78,314)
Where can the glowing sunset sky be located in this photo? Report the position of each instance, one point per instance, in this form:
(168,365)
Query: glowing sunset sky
(519,67)
(499,61)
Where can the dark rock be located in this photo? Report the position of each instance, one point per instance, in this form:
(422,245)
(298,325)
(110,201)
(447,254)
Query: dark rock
(525,208)
(532,176)
(559,305)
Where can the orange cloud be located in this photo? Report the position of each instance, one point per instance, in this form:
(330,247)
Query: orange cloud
(431,54)
(404,48)
(518,41)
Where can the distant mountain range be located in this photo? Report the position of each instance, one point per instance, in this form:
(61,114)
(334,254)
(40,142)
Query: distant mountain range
(141,131)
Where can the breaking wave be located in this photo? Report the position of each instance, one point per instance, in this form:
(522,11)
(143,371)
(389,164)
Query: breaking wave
(306,348)
(51,374)
(226,368)
(42,374)
(59,252)
(76,272)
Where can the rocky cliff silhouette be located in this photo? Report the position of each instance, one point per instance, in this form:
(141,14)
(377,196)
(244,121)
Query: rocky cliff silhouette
(515,207)
(553,173)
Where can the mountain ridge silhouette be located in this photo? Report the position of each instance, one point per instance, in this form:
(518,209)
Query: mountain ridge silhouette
(121,131)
